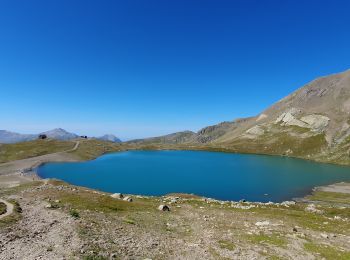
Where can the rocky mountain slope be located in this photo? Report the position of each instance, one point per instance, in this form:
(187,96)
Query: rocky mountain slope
(312,122)
(60,134)
(175,138)
(321,106)
(7,137)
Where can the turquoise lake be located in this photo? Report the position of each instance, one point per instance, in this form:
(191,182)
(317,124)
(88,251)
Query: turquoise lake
(217,175)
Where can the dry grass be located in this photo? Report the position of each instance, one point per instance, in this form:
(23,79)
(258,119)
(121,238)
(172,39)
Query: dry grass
(23,150)
(90,149)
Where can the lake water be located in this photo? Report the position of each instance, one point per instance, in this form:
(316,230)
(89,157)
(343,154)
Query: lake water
(222,176)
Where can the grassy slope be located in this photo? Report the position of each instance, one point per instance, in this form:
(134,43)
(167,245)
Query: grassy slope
(90,149)
(87,149)
(14,217)
(339,154)
(282,144)
(290,141)
(276,141)
(11,152)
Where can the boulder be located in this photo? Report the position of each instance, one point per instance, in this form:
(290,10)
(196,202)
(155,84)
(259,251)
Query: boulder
(173,200)
(117,196)
(324,235)
(262,223)
(49,206)
(312,208)
(287,119)
(164,208)
(127,198)
(288,203)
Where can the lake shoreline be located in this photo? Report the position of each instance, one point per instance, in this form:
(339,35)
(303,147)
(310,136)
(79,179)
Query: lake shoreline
(193,164)
(19,175)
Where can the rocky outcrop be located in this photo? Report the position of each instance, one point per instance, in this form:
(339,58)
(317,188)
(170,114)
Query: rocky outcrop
(316,123)
(164,208)
(254,132)
(117,196)
(287,119)
(128,199)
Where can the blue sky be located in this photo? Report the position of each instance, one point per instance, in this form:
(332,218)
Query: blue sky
(146,68)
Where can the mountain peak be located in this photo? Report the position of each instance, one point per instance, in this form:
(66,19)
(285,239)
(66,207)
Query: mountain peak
(60,134)
(110,138)
(58,130)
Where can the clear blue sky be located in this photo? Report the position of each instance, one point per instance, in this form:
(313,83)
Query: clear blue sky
(144,68)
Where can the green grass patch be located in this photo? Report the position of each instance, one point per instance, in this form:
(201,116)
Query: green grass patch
(2,208)
(17,189)
(17,208)
(129,221)
(272,239)
(14,217)
(297,216)
(225,244)
(216,255)
(83,200)
(94,257)
(274,257)
(100,203)
(278,141)
(327,252)
(331,197)
(74,213)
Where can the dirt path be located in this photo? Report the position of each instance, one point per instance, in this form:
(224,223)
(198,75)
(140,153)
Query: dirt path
(22,171)
(77,143)
(9,208)
(41,233)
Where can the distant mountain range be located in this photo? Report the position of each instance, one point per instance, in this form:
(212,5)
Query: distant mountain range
(110,138)
(312,122)
(7,137)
